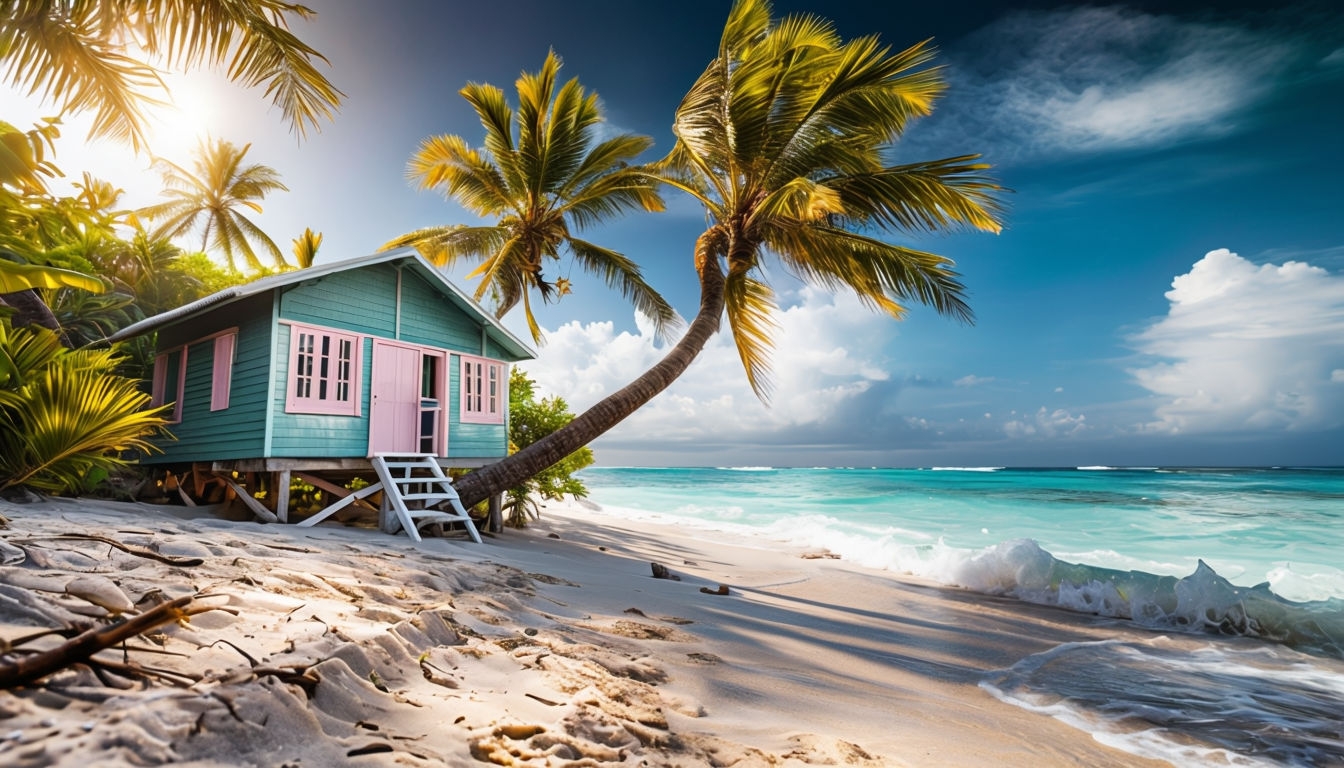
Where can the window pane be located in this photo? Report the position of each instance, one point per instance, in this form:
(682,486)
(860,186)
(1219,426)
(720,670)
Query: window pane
(494,389)
(343,369)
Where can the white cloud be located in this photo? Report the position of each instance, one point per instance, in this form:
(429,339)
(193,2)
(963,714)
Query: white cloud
(1046,423)
(1102,78)
(1246,347)
(971,380)
(1337,376)
(828,353)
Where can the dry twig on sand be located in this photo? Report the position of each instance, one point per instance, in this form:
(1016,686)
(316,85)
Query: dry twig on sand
(82,647)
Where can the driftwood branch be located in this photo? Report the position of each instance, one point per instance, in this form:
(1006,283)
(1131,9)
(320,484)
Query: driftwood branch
(137,551)
(83,646)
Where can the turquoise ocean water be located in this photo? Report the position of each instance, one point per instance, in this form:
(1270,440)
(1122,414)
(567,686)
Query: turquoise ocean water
(1246,566)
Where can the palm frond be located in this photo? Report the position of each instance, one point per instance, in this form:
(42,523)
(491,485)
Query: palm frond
(532,326)
(612,195)
(24,352)
(71,418)
(773,81)
(569,135)
(250,233)
(273,56)
(881,274)
(750,306)
(535,91)
(497,119)
(624,275)
(447,164)
(801,199)
(446,245)
(510,257)
(925,197)
(305,248)
(56,52)
(16,277)
(606,157)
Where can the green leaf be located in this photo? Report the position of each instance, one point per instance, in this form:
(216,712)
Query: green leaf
(22,277)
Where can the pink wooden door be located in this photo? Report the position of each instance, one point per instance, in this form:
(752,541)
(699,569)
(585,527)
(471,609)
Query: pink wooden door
(394,399)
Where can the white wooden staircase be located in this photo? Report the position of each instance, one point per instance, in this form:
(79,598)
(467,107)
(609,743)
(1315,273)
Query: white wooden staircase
(415,492)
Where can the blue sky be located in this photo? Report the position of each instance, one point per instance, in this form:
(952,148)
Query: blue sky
(1168,290)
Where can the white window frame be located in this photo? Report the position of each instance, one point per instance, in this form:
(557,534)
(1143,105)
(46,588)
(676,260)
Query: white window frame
(319,374)
(483,390)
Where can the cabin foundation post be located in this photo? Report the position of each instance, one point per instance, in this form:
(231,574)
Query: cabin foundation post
(387,518)
(495,521)
(281,481)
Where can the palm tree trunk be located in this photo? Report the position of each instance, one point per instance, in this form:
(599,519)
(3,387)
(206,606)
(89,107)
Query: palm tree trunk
(592,423)
(29,309)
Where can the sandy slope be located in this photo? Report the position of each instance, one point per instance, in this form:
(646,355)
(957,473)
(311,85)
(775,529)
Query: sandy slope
(550,646)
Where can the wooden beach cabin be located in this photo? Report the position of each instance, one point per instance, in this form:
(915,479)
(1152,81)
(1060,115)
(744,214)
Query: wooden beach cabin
(314,371)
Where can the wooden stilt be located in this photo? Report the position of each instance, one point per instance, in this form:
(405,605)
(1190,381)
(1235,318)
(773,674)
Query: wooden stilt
(282,495)
(495,522)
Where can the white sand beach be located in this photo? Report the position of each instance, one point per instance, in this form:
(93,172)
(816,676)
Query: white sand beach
(552,645)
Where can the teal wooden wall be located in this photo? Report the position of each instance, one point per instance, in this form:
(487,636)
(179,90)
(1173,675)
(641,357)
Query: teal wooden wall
(427,318)
(237,432)
(364,300)
(493,349)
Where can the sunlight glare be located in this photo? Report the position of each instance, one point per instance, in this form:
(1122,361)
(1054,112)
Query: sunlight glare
(176,130)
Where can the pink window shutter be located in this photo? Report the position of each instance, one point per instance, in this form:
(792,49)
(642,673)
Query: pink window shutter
(222,375)
(160,384)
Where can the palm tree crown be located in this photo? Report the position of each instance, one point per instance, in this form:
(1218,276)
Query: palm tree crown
(76,53)
(541,175)
(782,139)
(210,197)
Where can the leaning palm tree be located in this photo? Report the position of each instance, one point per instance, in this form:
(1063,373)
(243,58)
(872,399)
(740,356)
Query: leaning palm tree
(783,140)
(541,176)
(76,54)
(209,198)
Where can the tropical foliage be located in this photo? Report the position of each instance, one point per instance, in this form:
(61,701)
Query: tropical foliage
(541,176)
(27,218)
(305,248)
(529,421)
(76,54)
(66,418)
(784,140)
(208,200)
